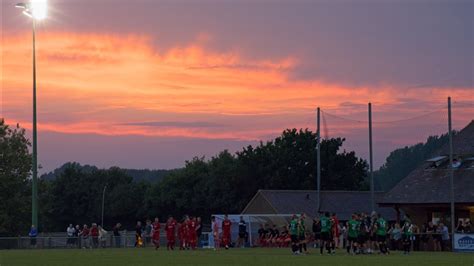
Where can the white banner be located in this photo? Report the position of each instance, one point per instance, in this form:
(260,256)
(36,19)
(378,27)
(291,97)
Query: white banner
(464,242)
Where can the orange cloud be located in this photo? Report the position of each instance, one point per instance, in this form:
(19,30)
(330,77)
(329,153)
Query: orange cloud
(92,83)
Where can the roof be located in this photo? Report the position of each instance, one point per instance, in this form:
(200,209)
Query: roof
(343,203)
(463,142)
(428,184)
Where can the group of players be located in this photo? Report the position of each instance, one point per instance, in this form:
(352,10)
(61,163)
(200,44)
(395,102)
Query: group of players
(363,234)
(187,232)
(271,236)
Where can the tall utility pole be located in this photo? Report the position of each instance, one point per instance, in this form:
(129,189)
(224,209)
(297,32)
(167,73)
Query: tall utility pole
(36,10)
(318,159)
(103,203)
(34,181)
(451,170)
(372,196)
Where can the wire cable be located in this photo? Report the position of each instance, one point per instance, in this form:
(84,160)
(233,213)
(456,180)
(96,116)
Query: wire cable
(384,122)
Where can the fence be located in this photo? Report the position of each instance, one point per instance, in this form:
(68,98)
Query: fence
(126,240)
(420,242)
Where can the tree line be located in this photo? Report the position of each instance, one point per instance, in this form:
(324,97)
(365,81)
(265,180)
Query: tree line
(224,183)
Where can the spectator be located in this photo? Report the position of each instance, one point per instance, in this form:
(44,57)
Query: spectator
(85,236)
(396,236)
(460,227)
(275,234)
(424,237)
(33,234)
(242,233)
(117,237)
(430,230)
(437,238)
(444,237)
(416,237)
(262,233)
(102,237)
(70,231)
(94,233)
(467,226)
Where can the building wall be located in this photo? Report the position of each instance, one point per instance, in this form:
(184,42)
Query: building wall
(418,215)
(421,215)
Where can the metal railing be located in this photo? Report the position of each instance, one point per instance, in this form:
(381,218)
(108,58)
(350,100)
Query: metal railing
(125,240)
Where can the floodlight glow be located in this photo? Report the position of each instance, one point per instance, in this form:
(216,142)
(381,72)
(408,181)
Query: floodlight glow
(38,8)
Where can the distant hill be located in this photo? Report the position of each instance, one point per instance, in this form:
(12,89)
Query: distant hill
(402,161)
(137,174)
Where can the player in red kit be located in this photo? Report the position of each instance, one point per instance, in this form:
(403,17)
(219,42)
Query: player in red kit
(181,235)
(226,225)
(335,232)
(192,235)
(170,233)
(156,233)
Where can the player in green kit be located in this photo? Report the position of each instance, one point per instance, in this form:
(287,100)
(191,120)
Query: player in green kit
(325,232)
(302,234)
(294,234)
(352,234)
(381,234)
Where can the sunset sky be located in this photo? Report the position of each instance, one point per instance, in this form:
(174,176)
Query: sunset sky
(150,84)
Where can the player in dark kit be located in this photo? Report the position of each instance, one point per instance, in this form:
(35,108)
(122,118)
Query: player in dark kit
(363,233)
(407,233)
(138,235)
(226,225)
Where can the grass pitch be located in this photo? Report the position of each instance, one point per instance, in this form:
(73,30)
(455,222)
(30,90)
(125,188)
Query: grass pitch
(247,257)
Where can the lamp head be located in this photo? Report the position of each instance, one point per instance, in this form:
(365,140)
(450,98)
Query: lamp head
(21,5)
(36,9)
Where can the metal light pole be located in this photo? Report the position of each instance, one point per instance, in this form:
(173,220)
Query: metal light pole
(318,160)
(451,172)
(372,194)
(103,201)
(36,10)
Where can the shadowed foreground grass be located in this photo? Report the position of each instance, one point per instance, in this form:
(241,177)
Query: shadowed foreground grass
(245,257)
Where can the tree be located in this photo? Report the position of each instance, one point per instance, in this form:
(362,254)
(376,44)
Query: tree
(289,162)
(15,167)
(226,182)
(402,161)
(76,197)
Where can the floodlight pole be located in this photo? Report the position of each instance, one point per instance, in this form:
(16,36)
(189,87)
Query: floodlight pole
(372,196)
(34,181)
(103,203)
(318,160)
(451,170)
